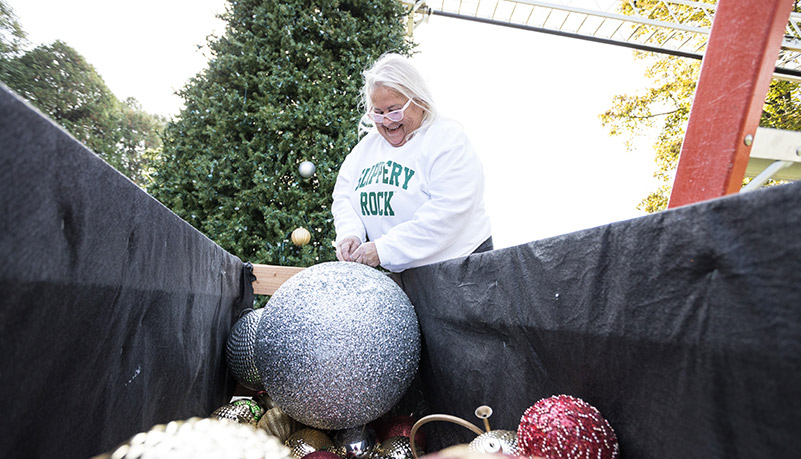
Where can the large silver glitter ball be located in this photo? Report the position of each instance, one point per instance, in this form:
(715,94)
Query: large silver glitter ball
(240,351)
(337,345)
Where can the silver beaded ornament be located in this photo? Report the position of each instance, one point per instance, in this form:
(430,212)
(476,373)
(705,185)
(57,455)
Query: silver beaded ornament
(495,441)
(240,352)
(338,345)
(398,447)
(241,411)
(196,437)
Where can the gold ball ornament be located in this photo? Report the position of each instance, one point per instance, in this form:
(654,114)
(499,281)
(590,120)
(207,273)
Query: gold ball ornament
(277,423)
(306,441)
(301,236)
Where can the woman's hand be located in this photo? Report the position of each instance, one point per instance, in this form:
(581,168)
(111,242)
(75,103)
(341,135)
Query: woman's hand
(366,254)
(346,247)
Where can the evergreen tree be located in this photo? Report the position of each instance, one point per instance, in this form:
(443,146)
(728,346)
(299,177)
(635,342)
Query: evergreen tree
(666,104)
(282,87)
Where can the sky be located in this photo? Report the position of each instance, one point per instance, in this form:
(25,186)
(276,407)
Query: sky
(528,101)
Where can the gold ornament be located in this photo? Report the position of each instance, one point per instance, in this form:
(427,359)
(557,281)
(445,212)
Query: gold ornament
(301,236)
(277,423)
(307,441)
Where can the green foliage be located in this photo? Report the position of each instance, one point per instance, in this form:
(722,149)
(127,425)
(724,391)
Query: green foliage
(12,37)
(665,105)
(57,80)
(282,87)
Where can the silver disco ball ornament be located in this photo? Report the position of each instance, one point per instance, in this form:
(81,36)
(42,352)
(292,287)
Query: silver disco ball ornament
(240,351)
(338,345)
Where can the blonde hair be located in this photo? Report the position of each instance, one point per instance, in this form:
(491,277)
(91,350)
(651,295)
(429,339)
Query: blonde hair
(394,71)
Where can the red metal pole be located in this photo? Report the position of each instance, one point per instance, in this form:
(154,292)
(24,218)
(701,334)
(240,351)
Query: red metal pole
(735,75)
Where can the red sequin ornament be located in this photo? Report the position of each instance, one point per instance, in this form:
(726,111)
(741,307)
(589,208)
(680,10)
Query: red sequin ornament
(566,427)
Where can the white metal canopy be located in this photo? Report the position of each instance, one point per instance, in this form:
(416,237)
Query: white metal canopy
(619,22)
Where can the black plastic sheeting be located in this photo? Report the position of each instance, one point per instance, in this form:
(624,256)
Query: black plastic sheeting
(683,328)
(113,311)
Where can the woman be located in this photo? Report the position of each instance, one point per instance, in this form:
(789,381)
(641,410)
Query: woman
(411,192)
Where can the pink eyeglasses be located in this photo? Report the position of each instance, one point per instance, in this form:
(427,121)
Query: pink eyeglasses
(394,115)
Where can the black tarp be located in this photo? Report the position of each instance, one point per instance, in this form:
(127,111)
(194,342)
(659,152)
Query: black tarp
(683,328)
(113,311)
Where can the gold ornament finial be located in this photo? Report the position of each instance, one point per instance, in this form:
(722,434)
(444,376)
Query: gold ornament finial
(484,412)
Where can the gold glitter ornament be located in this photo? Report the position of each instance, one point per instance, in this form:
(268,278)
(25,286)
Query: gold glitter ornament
(300,236)
(277,423)
(196,437)
(306,441)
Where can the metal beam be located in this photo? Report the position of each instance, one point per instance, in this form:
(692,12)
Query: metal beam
(683,31)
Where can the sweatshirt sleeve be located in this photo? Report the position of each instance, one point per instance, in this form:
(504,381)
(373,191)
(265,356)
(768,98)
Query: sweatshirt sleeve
(456,186)
(346,220)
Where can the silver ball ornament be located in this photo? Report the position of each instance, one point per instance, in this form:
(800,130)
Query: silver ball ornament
(355,442)
(240,351)
(338,346)
(307,169)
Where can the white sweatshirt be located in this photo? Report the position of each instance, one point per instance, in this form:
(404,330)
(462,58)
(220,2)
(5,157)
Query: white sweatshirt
(421,203)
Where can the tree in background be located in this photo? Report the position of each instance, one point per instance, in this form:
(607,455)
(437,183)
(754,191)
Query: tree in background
(666,104)
(12,37)
(282,87)
(57,80)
